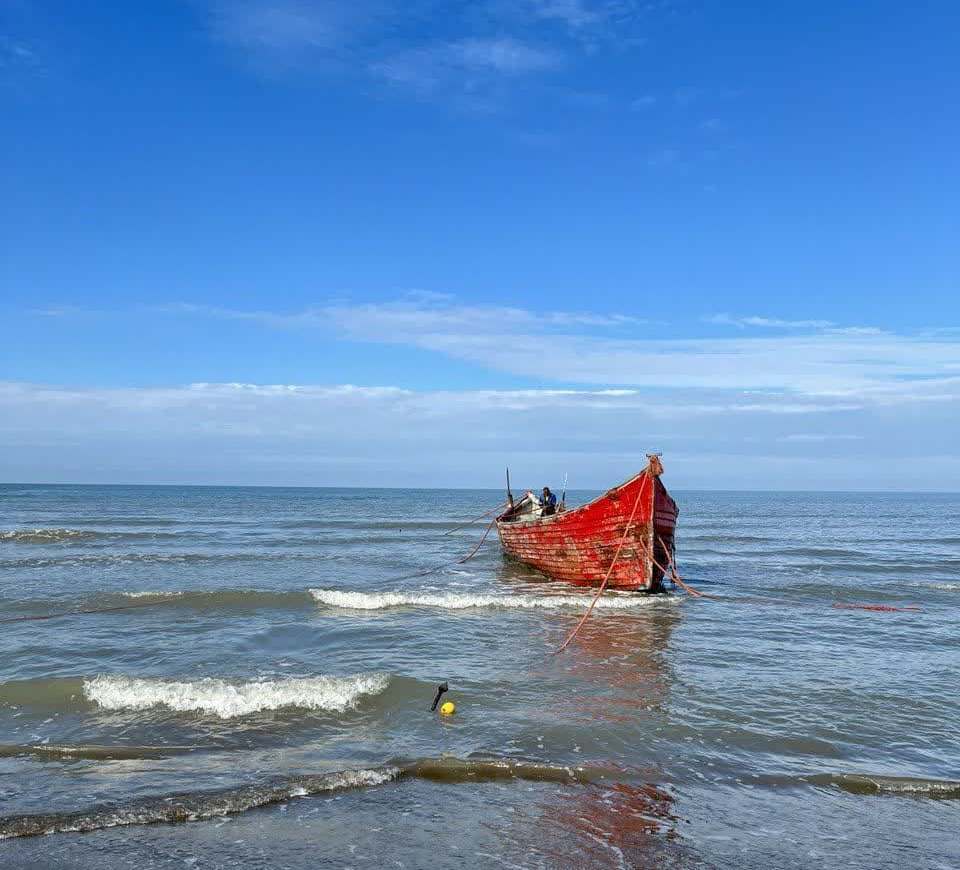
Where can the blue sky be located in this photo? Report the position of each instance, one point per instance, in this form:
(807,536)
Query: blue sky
(288,241)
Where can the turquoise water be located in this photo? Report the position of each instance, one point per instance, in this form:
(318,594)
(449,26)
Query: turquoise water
(251,638)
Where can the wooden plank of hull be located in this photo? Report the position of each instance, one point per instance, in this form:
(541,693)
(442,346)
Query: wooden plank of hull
(579,545)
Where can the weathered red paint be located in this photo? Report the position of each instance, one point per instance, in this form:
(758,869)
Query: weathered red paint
(578,545)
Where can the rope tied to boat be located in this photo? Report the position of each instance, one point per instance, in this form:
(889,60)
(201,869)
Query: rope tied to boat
(38,617)
(603,585)
(459,561)
(482,516)
(675,574)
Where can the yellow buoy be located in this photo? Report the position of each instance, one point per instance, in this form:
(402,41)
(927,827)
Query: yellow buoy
(448,708)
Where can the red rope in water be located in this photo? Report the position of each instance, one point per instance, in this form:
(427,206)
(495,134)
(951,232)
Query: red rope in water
(675,575)
(879,608)
(603,585)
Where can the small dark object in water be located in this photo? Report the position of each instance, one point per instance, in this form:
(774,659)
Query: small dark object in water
(443,687)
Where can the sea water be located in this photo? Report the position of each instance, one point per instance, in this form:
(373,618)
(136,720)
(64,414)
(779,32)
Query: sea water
(253,685)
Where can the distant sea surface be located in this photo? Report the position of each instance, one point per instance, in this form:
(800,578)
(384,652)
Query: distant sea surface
(262,662)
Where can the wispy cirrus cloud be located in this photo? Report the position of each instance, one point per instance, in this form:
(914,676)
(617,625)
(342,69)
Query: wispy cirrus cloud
(814,358)
(801,325)
(14,53)
(289,28)
(767,322)
(470,51)
(573,13)
(22,60)
(56,311)
(417,312)
(464,66)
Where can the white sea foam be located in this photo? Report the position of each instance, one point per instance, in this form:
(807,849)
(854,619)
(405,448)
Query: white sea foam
(43,536)
(466,600)
(227,700)
(345,779)
(946,587)
(149,594)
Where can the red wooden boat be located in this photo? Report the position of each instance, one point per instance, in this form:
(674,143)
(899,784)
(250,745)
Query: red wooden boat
(579,545)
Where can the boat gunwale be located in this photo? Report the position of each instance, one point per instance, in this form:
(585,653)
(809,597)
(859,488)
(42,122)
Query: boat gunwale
(564,514)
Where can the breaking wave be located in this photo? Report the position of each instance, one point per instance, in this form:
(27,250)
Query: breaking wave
(197,806)
(158,595)
(468,600)
(64,535)
(46,536)
(218,598)
(228,700)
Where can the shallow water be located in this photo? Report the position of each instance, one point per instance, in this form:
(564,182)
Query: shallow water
(253,640)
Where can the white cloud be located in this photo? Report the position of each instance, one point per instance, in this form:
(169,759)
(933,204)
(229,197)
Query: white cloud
(770,322)
(865,365)
(477,50)
(472,66)
(503,55)
(823,360)
(56,311)
(290,27)
(414,313)
(574,13)
(860,400)
(340,435)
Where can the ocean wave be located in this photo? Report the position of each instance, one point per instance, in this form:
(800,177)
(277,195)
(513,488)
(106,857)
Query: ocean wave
(75,559)
(196,806)
(119,520)
(73,536)
(201,805)
(871,784)
(92,752)
(211,599)
(47,536)
(398,525)
(466,600)
(228,700)
(158,595)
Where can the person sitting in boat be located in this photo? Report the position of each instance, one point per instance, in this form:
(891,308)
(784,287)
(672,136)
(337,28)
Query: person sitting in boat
(548,503)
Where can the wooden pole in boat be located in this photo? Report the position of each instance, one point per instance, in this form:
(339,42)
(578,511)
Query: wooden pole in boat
(509,494)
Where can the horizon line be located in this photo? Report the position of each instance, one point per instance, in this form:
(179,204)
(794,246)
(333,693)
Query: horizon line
(469,488)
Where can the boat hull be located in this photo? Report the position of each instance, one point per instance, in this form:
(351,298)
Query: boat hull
(579,546)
